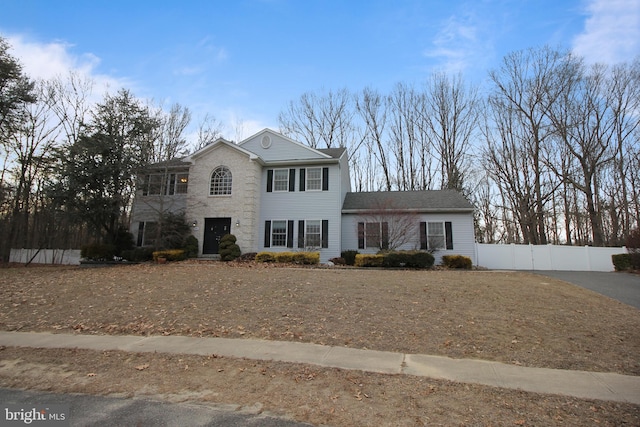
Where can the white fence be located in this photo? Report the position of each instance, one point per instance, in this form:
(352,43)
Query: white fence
(45,256)
(546,257)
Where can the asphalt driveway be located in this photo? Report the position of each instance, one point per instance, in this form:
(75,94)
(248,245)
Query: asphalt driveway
(87,410)
(624,287)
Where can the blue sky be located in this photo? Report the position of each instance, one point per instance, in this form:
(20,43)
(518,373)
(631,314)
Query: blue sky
(244,60)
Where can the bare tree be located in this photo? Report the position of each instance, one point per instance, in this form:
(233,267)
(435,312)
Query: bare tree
(322,121)
(170,141)
(209,130)
(451,117)
(525,87)
(585,125)
(623,92)
(405,131)
(388,226)
(31,147)
(371,107)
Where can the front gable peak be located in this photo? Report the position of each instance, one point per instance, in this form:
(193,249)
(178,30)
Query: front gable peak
(273,146)
(219,143)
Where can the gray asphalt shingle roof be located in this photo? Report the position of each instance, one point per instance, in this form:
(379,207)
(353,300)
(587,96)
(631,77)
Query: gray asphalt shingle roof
(425,201)
(336,153)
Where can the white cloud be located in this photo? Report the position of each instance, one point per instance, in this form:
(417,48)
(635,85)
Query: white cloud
(611,32)
(55,59)
(462,42)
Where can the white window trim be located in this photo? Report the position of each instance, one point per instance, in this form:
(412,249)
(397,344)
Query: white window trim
(443,235)
(286,231)
(307,179)
(306,233)
(286,189)
(211,183)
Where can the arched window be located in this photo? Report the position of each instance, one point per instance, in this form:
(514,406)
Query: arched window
(220,181)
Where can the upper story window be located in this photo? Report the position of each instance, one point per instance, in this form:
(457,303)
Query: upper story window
(281,180)
(220,182)
(314,179)
(182,183)
(165,184)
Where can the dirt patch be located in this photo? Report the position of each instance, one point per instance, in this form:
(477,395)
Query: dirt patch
(515,318)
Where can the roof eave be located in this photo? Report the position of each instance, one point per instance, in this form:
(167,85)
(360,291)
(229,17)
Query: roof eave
(412,210)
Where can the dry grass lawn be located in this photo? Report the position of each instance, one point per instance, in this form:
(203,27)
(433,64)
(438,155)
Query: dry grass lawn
(510,317)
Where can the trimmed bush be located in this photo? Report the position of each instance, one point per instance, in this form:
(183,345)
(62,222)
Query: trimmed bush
(228,248)
(457,261)
(284,257)
(419,259)
(170,255)
(395,259)
(265,257)
(368,260)
(98,252)
(621,262)
(306,258)
(191,246)
(138,255)
(349,257)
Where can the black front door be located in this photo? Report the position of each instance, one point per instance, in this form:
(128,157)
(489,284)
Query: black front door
(214,229)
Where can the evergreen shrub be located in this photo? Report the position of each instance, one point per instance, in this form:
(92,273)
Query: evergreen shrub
(229,250)
(457,261)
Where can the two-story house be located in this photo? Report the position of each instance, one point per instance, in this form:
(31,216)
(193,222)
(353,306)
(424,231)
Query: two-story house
(276,194)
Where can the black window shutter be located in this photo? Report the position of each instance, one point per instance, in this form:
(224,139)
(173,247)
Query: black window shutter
(140,233)
(269,180)
(448,234)
(385,235)
(423,235)
(290,234)
(292,180)
(325,179)
(361,235)
(301,233)
(267,234)
(302,178)
(325,233)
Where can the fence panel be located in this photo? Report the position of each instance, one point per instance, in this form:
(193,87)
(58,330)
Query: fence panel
(546,257)
(45,256)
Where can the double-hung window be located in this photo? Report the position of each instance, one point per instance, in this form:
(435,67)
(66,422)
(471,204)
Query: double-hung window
(314,179)
(436,235)
(313,234)
(279,233)
(374,235)
(153,185)
(281,180)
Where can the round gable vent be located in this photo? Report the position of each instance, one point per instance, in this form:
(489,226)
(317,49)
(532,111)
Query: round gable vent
(266,141)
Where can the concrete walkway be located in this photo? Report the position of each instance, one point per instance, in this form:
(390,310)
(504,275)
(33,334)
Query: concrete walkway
(581,384)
